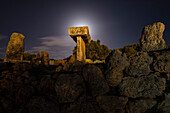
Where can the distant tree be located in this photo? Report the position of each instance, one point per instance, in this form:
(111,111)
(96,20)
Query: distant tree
(95,51)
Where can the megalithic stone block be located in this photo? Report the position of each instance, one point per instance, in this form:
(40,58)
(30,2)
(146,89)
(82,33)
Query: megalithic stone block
(15,48)
(81,36)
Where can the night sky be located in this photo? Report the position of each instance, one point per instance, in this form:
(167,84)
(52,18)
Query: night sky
(44,23)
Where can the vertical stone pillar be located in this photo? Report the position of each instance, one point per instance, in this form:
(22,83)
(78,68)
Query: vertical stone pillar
(81,52)
(15,48)
(81,36)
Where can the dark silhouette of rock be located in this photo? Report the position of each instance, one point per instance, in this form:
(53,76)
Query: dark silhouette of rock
(140,106)
(15,49)
(165,105)
(151,38)
(139,64)
(148,86)
(95,80)
(68,87)
(47,85)
(23,95)
(112,103)
(41,104)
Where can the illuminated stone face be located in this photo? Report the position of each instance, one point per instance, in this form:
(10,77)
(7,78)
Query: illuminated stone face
(80,31)
(15,48)
(81,36)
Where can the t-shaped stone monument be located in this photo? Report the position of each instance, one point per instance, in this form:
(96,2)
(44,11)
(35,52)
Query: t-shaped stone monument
(81,36)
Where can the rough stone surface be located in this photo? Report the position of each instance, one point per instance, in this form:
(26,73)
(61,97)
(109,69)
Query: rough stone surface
(114,77)
(23,95)
(162,62)
(111,103)
(165,105)
(80,31)
(95,80)
(15,48)
(151,38)
(47,85)
(116,60)
(45,57)
(41,104)
(68,87)
(140,106)
(145,86)
(139,64)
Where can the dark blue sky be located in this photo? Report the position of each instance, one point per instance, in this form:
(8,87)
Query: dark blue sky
(45,22)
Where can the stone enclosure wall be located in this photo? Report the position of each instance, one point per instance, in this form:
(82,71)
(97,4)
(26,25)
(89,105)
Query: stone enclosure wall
(135,83)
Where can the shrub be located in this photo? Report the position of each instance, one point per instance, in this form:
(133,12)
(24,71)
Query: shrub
(96,51)
(130,50)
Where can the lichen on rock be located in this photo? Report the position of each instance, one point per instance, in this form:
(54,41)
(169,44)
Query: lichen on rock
(15,49)
(152,37)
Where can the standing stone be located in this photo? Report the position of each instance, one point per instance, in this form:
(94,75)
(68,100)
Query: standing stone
(45,57)
(151,38)
(81,36)
(15,48)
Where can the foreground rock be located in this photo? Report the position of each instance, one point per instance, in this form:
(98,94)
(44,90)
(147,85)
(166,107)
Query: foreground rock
(162,62)
(95,80)
(115,63)
(112,103)
(139,64)
(116,60)
(68,87)
(165,105)
(15,49)
(151,38)
(140,106)
(42,104)
(146,86)
(114,77)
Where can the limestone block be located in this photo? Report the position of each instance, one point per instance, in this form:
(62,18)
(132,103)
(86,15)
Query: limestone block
(80,31)
(15,48)
(151,38)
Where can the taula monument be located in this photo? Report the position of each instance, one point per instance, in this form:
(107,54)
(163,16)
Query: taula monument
(15,48)
(81,36)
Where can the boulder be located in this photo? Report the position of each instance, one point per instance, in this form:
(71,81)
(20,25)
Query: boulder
(145,86)
(139,64)
(114,77)
(7,105)
(116,59)
(87,106)
(162,62)
(151,38)
(140,106)
(23,95)
(165,105)
(68,87)
(112,103)
(47,85)
(15,48)
(95,80)
(41,104)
